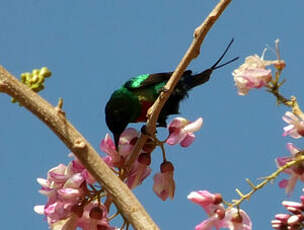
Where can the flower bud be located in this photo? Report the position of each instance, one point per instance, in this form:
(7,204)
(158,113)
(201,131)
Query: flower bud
(166,166)
(96,213)
(145,159)
(280,65)
(237,218)
(217,198)
(220,212)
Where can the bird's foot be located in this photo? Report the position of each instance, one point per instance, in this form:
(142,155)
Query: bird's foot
(152,137)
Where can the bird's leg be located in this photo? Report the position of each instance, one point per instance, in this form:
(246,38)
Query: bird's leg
(155,141)
(144,130)
(153,137)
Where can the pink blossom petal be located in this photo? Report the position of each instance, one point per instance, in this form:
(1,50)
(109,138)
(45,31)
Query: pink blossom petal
(283,183)
(58,174)
(207,224)
(43,182)
(69,193)
(107,145)
(164,185)
(188,140)
(292,149)
(175,138)
(74,181)
(138,173)
(194,126)
(281,161)
(282,217)
(202,197)
(178,122)
(88,177)
(127,135)
(39,209)
(76,166)
(246,223)
(291,184)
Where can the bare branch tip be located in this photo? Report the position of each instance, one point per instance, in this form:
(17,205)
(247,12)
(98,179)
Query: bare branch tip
(79,144)
(59,106)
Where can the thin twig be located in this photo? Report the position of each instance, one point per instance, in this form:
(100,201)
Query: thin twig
(268,179)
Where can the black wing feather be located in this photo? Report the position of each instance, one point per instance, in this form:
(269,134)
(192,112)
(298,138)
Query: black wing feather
(153,79)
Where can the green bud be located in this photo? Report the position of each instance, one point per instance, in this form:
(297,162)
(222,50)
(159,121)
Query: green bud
(45,72)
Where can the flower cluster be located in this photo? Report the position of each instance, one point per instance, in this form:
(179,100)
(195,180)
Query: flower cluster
(68,205)
(180,131)
(74,202)
(251,74)
(293,220)
(219,217)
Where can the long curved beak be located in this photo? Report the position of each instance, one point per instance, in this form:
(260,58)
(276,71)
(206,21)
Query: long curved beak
(116,140)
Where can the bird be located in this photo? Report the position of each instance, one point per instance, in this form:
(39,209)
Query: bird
(130,103)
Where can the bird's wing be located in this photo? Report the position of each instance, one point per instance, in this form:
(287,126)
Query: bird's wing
(147,80)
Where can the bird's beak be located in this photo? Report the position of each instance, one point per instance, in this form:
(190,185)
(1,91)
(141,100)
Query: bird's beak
(116,140)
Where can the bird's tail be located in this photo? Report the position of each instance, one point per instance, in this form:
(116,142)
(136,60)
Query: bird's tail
(203,77)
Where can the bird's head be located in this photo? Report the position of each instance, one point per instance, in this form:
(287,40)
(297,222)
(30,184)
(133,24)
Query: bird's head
(120,111)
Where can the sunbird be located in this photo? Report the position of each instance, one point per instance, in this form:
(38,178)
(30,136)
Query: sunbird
(132,100)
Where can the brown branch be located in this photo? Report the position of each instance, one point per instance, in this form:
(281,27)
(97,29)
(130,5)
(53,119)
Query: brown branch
(192,52)
(124,199)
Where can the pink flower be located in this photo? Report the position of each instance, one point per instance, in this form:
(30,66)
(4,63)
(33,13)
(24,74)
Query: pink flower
(231,218)
(63,189)
(296,125)
(252,74)
(208,201)
(107,145)
(280,221)
(181,131)
(296,172)
(69,205)
(94,217)
(125,146)
(212,204)
(293,220)
(237,220)
(139,171)
(164,185)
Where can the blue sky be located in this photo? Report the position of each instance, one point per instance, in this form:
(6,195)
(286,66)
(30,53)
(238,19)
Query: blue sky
(92,47)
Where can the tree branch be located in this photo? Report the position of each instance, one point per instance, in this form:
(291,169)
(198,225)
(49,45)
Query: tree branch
(124,199)
(192,52)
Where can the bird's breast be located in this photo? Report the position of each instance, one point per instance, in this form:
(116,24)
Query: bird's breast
(145,105)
